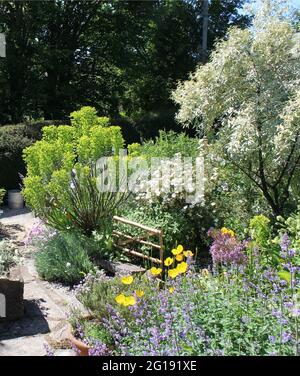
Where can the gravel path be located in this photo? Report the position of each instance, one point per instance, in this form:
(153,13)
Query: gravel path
(47,305)
(21,217)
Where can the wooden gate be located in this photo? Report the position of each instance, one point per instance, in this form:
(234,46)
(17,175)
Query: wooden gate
(126,243)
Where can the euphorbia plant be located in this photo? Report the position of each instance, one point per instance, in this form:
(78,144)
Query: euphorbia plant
(50,186)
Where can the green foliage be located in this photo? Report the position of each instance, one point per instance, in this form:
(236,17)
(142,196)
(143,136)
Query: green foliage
(104,241)
(228,197)
(179,221)
(8,256)
(261,233)
(49,188)
(227,313)
(167,144)
(95,331)
(177,227)
(13,139)
(260,230)
(231,200)
(149,124)
(84,206)
(97,291)
(64,258)
(2,193)
(112,55)
(291,227)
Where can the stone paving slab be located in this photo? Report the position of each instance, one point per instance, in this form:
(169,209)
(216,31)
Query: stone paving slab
(23,346)
(23,217)
(47,305)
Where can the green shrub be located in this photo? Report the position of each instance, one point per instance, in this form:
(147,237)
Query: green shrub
(95,331)
(176,227)
(2,193)
(8,256)
(291,226)
(64,258)
(13,140)
(52,161)
(167,144)
(228,195)
(261,233)
(260,230)
(84,207)
(179,221)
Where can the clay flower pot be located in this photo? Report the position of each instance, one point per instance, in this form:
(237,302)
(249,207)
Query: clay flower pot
(81,347)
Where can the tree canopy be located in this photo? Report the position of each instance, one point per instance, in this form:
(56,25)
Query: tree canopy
(122,57)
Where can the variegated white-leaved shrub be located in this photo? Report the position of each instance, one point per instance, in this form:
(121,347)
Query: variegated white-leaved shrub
(246,101)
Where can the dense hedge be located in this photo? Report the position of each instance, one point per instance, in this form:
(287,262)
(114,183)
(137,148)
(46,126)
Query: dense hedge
(13,139)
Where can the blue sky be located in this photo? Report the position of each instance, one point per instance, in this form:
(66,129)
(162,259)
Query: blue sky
(296,3)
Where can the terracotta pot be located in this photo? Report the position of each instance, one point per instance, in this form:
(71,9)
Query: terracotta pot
(82,348)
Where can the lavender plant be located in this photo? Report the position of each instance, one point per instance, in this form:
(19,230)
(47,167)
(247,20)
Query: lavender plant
(229,312)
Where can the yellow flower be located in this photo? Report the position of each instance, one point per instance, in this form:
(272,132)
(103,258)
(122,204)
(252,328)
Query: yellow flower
(140,293)
(125,300)
(120,299)
(127,280)
(169,261)
(182,267)
(179,257)
(225,230)
(155,271)
(178,250)
(173,273)
(129,301)
(188,253)
(171,289)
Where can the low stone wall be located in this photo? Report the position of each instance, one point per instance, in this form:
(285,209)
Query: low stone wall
(11,298)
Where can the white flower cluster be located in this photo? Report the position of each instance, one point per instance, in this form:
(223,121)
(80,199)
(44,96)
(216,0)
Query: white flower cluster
(173,179)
